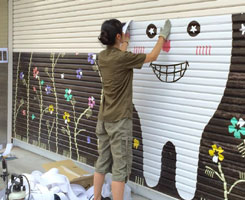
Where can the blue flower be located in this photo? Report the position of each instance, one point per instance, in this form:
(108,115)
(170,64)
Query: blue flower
(88,140)
(68,94)
(91,58)
(21,75)
(48,89)
(79,73)
(236,128)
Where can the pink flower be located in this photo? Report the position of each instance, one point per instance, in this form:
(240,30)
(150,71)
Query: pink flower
(91,102)
(24,112)
(35,72)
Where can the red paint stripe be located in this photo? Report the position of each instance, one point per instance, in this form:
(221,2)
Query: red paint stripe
(206,50)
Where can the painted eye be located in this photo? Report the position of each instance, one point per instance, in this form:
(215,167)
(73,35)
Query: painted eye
(193,28)
(151,30)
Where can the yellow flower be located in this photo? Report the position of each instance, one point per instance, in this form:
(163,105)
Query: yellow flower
(136,143)
(66,117)
(216,153)
(51,109)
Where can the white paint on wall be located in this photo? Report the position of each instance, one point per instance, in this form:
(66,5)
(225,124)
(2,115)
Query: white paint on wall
(178,112)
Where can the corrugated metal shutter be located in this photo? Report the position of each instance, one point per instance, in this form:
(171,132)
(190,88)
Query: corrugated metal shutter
(56,101)
(178,112)
(186,133)
(73,26)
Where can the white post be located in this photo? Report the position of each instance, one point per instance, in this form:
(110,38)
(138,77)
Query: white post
(10,71)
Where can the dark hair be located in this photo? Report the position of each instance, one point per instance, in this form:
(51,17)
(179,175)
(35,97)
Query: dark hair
(109,30)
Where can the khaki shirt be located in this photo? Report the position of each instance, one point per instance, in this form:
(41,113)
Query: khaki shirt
(116,68)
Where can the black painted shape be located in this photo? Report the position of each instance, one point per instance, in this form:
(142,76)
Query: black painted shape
(137,166)
(193,28)
(151,27)
(216,131)
(166,182)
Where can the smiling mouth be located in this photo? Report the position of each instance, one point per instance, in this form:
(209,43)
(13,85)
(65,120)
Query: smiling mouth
(170,73)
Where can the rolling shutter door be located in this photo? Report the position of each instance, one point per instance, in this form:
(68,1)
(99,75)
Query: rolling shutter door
(185,130)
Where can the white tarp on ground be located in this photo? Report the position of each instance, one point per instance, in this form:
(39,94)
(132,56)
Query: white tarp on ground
(46,185)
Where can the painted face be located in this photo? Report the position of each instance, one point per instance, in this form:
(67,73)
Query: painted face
(178,94)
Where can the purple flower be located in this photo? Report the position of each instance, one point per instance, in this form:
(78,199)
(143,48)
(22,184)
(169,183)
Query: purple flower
(79,73)
(48,89)
(88,140)
(91,102)
(91,58)
(21,75)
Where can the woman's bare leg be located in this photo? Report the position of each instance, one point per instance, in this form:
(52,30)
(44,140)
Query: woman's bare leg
(117,190)
(98,183)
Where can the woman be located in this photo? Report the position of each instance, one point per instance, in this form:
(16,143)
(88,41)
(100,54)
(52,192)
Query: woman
(114,127)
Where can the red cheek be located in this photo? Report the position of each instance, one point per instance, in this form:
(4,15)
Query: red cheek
(166,46)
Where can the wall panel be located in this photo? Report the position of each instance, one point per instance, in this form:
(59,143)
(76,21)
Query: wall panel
(188,134)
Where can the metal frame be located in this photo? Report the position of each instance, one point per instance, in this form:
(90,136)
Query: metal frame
(10,70)
(2,50)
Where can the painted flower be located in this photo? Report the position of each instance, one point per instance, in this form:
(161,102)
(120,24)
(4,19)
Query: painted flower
(91,58)
(34,89)
(236,128)
(91,102)
(66,117)
(33,116)
(79,73)
(51,109)
(24,112)
(48,89)
(136,143)
(62,76)
(42,82)
(216,153)
(88,140)
(21,75)
(35,73)
(68,94)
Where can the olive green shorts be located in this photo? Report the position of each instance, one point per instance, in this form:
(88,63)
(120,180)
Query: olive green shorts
(115,149)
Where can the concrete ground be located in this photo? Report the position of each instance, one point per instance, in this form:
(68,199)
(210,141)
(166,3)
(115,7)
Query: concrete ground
(27,162)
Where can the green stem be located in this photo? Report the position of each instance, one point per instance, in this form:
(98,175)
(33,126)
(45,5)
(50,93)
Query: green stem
(237,182)
(21,104)
(80,131)
(70,143)
(76,125)
(28,99)
(16,92)
(41,112)
(224,181)
(49,132)
(54,62)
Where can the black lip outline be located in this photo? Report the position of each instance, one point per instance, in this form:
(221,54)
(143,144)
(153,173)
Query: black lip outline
(159,72)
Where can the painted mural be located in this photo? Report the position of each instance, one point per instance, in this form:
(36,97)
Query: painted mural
(188,132)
